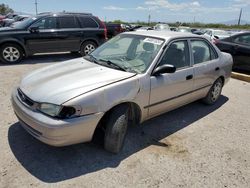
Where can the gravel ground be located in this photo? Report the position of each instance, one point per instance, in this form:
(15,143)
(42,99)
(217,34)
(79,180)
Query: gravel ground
(194,146)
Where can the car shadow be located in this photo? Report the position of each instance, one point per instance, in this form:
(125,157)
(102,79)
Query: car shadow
(46,58)
(50,164)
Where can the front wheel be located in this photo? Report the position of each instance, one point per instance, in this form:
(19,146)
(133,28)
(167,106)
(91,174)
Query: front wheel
(88,47)
(116,129)
(11,53)
(214,92)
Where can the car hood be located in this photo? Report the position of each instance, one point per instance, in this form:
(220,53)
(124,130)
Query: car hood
(7,30)
(61,82)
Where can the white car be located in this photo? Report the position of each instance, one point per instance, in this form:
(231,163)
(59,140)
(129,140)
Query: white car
(213,34)
(131,78)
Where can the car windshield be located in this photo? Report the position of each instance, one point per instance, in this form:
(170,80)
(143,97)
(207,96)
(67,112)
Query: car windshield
(24,23)
(131,53)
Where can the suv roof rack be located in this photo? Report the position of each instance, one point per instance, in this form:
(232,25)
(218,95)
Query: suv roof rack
(83,13)
(64,12)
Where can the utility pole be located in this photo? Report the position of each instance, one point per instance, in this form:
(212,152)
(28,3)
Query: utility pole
(36,6)
(149,19)
(240,16)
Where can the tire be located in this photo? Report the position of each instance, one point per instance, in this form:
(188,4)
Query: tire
(11,53)
(214,93)
(87,47)
(116,129)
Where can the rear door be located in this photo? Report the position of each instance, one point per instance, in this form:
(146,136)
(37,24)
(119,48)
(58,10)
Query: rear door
(69,33)
(169,91)
(206,65)
(91,29)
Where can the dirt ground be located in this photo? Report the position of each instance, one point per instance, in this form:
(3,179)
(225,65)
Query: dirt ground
(194,146)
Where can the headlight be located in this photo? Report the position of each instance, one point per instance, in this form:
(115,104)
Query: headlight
(58,111)
(50,109)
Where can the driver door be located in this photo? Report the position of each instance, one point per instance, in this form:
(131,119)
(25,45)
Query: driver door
(45,39)
(171,90)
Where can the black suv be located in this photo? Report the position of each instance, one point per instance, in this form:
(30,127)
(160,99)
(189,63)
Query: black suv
(51,32)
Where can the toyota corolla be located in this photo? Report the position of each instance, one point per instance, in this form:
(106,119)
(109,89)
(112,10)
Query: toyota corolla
(131,78)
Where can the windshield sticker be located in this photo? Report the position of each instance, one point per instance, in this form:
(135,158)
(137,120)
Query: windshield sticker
(154,41)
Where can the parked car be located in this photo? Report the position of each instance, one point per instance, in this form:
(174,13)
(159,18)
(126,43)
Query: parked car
(213,34)
(199,32)
(184,29)
(1,18)
(19,18)
(114,29)
(6,18)
(144,29)
(51,32)
(162,27)
(239,47)
(131,78)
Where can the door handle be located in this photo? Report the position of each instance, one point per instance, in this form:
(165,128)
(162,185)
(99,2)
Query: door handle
(236,46)
(189,77)
(217,68)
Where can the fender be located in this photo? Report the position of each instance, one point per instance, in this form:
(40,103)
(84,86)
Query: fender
(15,41)
(90,39)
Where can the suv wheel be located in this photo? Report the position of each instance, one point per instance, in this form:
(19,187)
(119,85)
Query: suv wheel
(88,47)
(116,129)
(214,92)
(11,53)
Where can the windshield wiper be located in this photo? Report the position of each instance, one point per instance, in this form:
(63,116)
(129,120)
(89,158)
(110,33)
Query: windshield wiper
(110,63)
(92,59)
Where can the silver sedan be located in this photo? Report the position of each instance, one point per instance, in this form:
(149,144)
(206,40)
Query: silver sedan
(131,78)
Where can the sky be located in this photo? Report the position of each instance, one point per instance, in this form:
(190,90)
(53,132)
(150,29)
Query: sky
(206,11)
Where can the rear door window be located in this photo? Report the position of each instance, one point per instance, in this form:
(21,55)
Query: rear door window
(87,22)
(68,22)
(202,51)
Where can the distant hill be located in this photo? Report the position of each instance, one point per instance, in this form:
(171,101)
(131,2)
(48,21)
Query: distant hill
(235,22)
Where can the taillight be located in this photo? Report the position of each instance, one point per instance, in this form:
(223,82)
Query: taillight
(105,29)
(105,32)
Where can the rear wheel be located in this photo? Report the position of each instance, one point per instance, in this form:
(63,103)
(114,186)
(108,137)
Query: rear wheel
(11,53)
(116,129)
(214,92)
(88,47)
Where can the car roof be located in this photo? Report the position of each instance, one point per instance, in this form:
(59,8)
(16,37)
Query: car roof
(165,34)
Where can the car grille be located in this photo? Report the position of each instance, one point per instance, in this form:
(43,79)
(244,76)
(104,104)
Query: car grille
(24,98)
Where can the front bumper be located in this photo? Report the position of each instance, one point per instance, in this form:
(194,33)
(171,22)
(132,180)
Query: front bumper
(53,131)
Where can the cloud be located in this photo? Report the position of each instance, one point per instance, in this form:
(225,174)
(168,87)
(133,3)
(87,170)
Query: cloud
(172,6)
(111,7)
(188,7)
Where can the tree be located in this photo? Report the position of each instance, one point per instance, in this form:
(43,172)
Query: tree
(5,9)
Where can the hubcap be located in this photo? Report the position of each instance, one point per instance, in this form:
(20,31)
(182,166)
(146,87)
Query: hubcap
(11,54)
(216,91)
(89,48)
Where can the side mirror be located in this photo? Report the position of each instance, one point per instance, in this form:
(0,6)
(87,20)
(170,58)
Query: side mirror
(34,29)
(216,37)
(164,69)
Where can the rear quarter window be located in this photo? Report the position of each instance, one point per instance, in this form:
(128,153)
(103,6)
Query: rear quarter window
(87,22)
(68,22)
